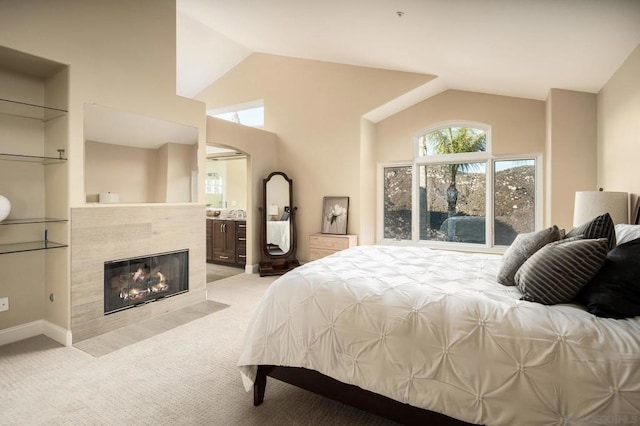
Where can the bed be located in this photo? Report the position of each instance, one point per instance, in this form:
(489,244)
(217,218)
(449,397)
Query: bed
(278,234)
(421,335)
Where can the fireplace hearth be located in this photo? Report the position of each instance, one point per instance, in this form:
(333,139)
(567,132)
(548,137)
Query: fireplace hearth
(135,281)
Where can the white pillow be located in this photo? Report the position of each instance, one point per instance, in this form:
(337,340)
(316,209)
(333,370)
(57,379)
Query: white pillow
(626,232)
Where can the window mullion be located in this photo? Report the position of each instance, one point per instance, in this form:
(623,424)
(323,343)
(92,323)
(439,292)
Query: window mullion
(490,200)
(415,203)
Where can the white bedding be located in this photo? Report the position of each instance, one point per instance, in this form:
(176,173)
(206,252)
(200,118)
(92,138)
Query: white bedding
(435,330)
(278,234)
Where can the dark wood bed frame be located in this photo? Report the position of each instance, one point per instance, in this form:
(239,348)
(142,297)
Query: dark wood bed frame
(348,394)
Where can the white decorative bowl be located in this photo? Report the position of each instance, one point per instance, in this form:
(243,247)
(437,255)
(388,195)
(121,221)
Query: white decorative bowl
(5,207)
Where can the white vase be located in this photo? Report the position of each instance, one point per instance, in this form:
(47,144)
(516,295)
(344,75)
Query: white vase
(5,207)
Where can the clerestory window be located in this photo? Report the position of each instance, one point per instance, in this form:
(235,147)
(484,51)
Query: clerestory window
(455,193)
(248,114)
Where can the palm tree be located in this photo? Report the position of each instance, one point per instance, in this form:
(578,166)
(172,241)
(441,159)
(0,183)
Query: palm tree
(456,140)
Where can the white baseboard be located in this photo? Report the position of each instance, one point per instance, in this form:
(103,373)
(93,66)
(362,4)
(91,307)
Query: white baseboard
(35,328)
(20,332)
(57,333)
(251,269)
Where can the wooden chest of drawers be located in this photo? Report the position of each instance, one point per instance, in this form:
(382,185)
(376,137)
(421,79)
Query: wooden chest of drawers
(321,245)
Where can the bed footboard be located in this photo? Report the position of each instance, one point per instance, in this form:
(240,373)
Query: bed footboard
(348,394)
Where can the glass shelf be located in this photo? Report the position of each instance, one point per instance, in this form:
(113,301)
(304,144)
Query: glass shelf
(27,110)
(30,246)
(32,220)
(31,158)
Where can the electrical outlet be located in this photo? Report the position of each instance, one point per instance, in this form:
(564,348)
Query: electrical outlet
(4,304)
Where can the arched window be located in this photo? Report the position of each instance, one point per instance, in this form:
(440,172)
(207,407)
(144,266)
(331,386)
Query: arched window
(456,193)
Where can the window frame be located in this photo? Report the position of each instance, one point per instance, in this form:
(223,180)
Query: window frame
(486,157)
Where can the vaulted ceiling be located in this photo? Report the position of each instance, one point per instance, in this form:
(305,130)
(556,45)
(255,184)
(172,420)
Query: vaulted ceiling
(518,48)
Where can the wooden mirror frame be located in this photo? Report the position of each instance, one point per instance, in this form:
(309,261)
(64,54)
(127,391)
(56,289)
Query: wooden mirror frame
(277,264)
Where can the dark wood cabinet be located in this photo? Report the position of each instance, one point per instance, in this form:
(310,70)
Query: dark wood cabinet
(241,243)
(227,242)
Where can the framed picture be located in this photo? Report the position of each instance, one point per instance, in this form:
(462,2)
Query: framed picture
(334,215)
(635,219)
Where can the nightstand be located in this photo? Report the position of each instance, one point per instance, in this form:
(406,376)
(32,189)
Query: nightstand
(321,245)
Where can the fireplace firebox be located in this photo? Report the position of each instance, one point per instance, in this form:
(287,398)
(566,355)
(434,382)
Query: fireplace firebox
(135,281)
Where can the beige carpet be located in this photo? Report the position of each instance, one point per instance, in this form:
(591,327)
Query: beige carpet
(184,376)
(217,272)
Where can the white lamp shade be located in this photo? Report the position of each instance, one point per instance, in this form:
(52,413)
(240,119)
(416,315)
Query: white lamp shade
(590,204)
(272,210)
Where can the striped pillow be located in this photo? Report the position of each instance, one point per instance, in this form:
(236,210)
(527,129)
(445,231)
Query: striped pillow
(558,271)
(599,227)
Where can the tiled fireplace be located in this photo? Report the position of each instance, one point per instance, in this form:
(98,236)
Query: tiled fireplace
(118,261)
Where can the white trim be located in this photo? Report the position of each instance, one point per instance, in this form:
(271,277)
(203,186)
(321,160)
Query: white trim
(57,333)
(444,245)
(36,328)
(251,269)
(489,200)
(20,332)
(415,203)
(463,157)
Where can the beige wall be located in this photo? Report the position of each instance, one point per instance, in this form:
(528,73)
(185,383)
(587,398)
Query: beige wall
(315,108)
(122,55)
(236,183)
(182,160)
(260,147)
(571,152)
(517,125)
(368,182)
(619,129)
(139,175)
(129,171)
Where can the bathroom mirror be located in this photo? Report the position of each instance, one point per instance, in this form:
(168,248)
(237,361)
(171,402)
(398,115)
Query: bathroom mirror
(131,158)
(278,233)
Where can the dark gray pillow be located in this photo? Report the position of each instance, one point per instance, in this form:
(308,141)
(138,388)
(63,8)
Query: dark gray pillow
(599,227)
(521,249)
(558,271)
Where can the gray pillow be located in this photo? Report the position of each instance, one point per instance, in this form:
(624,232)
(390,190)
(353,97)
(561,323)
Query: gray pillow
(557,272)
(522,248)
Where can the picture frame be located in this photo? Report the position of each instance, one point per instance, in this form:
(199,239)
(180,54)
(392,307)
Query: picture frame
(335,215)
(635,219)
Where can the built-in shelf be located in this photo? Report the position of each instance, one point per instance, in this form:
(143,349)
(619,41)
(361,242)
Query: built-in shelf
(27,110)
(32,158)
(32,220)
(29,246)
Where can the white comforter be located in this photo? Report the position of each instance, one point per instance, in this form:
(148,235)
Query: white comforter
(435,330)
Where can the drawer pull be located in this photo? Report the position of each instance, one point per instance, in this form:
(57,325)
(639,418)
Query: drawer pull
(224,257)
(241,255)
(242,239)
